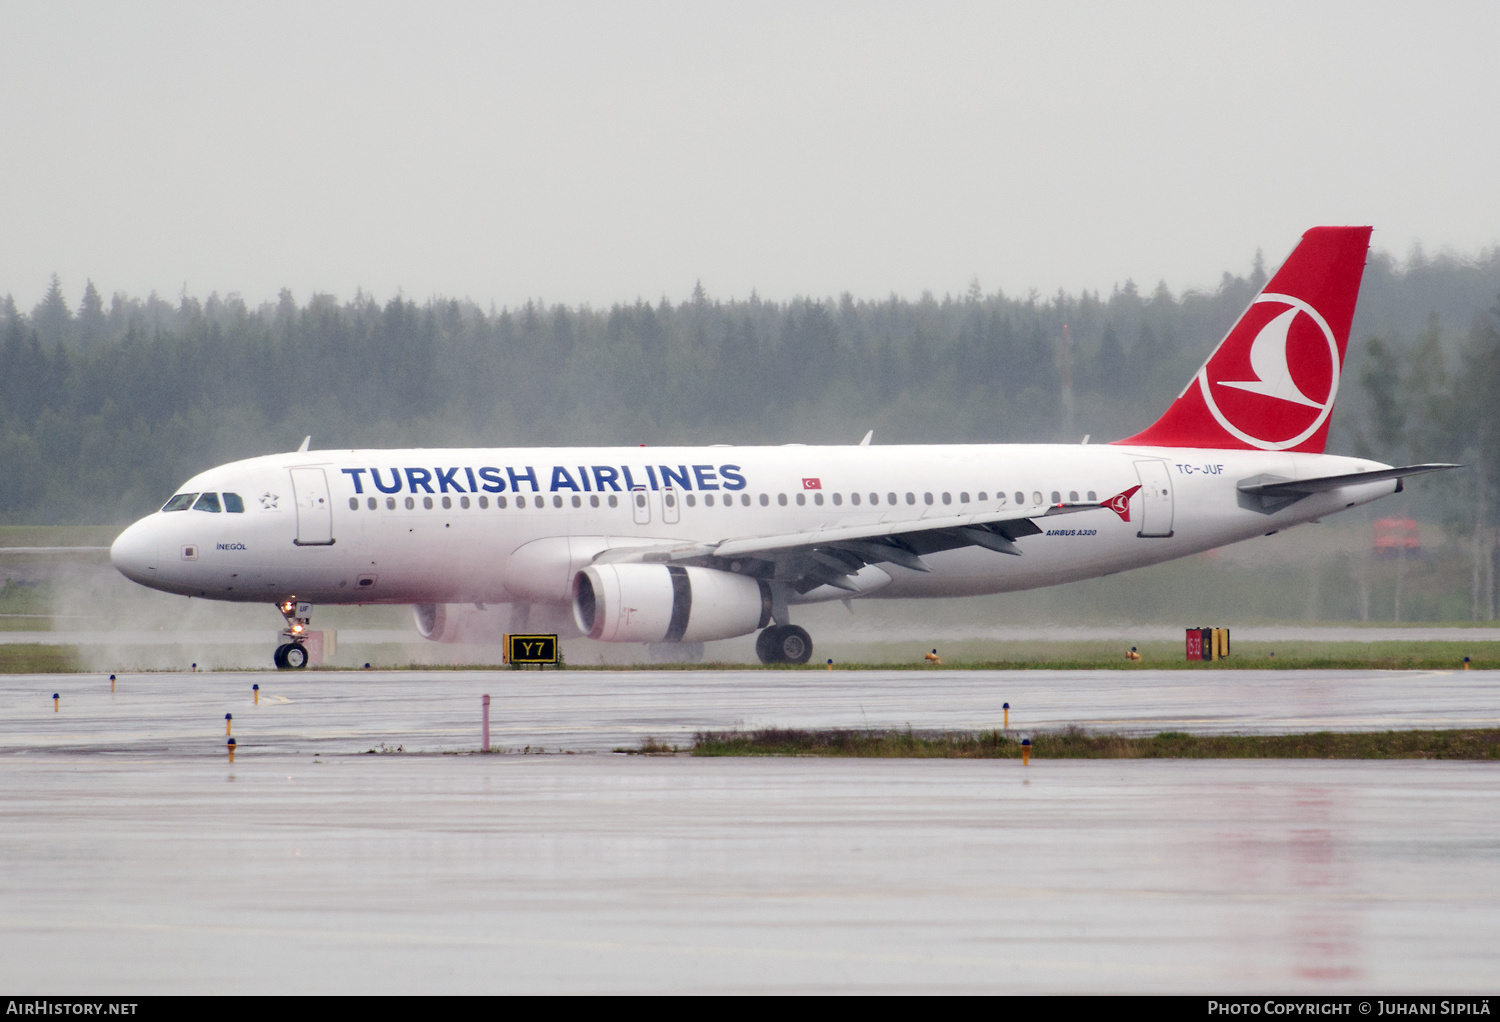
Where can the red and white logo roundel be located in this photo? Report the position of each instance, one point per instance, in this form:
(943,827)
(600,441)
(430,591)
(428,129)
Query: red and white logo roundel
(1273,381)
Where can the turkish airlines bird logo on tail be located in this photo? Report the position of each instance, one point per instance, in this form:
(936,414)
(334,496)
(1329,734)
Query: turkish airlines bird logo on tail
(1120,503)
(1271,383)
(1270,362)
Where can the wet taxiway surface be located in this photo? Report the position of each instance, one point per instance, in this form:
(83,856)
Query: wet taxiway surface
(439,711)
(137,860)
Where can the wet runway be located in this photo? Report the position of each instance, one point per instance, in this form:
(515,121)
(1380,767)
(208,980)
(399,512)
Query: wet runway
(137,860)
(593,711)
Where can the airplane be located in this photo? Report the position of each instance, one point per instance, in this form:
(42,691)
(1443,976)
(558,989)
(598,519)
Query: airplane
(676,546)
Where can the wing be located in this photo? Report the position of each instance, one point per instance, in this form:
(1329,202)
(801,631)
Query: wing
(832,556)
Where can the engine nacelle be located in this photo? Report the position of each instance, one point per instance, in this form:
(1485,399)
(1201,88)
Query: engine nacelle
(458,622)
(667,603)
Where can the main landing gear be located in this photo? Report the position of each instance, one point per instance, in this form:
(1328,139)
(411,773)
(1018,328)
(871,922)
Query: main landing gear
(291,655)
(784,644)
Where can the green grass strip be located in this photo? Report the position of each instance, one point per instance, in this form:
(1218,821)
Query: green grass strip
(1074,743)
(27,658)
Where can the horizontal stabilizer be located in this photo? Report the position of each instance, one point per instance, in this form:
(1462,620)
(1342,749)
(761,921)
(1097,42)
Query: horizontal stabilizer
(1321,484)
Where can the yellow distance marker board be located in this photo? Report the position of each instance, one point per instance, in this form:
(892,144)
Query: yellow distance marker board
(531,649)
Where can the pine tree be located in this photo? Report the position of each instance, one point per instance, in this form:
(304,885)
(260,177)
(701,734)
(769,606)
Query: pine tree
(91,325)
(52,317)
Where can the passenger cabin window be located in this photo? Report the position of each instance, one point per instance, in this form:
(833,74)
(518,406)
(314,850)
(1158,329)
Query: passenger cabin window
(745,499)
(593,500)
(1036,497)
(927,498)
(911,498)
(708,500)
(181,502)
(818,499)
(765,500)
(208,502)
(854,499)
(947,498)
(372,503)
(613,500)
(963,498)
(577,501)
(781,499)
(447,504)
(838,498)
(353,503)
(500,503)
(463,502)
(234,504)
(484,503)
(1020,497)
(1091,495)
(427,503)
(1056,497)
(691,500)
(390,503)
(801,499)
(1073,495)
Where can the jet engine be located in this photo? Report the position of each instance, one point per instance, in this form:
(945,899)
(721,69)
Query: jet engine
(667,603)
(458,622)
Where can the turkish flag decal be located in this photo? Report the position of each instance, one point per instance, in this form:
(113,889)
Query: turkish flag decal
(811,484)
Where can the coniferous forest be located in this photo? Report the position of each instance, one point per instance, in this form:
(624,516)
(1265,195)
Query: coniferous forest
(105,406)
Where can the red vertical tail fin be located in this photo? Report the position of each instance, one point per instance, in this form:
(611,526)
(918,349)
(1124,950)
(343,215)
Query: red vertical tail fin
(1271,383)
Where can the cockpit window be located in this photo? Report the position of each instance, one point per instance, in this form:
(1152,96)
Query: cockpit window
(181,502)
(233,504)
(208,502)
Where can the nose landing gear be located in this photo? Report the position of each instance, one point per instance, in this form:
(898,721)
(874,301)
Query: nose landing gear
(291,655)
(784,644)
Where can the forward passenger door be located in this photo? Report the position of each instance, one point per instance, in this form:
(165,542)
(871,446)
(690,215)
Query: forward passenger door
(314,509)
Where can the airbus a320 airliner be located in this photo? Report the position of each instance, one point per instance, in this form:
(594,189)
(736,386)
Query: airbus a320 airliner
(679,545)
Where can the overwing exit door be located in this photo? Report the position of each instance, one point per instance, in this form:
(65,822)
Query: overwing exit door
(640,507)
(1156,498)
(314,510)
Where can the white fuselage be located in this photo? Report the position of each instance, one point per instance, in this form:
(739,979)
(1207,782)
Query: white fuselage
(514,525)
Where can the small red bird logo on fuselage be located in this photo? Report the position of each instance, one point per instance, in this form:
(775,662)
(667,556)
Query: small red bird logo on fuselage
(1120,503)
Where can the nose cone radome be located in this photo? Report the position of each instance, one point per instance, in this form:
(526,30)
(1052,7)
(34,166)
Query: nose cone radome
(134,553)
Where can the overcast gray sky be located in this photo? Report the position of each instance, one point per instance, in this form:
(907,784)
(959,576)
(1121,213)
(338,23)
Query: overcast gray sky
(600,152)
